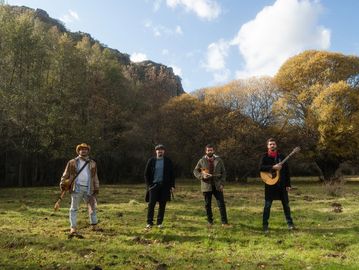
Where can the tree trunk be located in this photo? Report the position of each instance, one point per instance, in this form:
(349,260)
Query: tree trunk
(20,176)
(328,166)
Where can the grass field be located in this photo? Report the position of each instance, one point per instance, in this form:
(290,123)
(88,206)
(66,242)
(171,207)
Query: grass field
(32,236)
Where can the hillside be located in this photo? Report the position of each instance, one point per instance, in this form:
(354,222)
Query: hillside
(147,72)
(59,88)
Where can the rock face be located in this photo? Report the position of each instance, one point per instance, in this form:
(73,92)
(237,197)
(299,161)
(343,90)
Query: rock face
(147,73)
(156,75)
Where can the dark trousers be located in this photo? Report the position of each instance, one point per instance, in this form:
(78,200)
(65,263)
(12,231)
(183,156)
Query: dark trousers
(155,196)
(266,212)
(220,202)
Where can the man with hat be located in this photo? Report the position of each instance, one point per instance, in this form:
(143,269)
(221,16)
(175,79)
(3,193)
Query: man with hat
(160,181)
(81,173)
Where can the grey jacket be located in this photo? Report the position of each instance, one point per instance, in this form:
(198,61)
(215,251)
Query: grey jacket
(219,172)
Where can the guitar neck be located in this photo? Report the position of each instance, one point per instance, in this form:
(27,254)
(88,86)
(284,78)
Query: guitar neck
(286,158)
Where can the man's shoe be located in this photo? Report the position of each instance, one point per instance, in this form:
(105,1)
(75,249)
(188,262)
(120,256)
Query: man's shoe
(226,225)
(209,224)
(291,227)
(160,226)
(96,228)
(73,234)
(265,229)
(148,227)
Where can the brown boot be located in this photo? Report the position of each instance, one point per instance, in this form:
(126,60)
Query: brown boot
(95,228)
(73,233)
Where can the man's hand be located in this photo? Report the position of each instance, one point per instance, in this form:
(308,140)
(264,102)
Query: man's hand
(95,192)
(221,188)
(277,167)
(288,189)
(172,189)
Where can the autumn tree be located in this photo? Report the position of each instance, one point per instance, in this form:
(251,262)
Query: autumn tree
(322,105)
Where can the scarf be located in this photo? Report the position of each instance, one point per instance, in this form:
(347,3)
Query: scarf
(210,164)
(273,154)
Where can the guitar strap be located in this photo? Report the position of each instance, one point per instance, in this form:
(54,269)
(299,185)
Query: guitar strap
(81,169)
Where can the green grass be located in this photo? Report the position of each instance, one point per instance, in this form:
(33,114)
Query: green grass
(32,236)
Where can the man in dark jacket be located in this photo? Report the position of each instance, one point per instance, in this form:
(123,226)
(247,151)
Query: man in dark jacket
(160,181)
(270,162)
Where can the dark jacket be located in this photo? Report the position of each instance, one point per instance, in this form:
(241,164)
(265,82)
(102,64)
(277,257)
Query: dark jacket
(277,191)
(168,178)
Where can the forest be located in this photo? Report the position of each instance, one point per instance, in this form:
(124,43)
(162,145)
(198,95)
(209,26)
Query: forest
(59,89)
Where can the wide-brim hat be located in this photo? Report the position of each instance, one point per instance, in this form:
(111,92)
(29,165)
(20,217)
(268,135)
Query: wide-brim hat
(82,146)
(160,146)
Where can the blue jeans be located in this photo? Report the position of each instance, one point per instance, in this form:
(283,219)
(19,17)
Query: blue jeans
(90,200)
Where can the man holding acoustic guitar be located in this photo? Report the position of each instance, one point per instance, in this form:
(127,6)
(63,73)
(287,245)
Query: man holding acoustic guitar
(275,173)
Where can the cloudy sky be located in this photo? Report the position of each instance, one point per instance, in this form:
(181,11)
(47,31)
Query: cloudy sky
(211,42)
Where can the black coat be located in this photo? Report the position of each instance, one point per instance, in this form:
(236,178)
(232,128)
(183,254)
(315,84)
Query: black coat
(168,178)
(277,191)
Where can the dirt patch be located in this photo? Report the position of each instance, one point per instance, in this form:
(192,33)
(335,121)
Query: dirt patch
(337,207)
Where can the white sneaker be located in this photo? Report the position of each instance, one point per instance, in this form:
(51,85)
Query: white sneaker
(160,226)
(148,227)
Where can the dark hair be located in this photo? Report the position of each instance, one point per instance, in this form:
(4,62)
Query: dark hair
(271,140)
(209,146)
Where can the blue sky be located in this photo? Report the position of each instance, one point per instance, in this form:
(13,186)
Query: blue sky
(211,42)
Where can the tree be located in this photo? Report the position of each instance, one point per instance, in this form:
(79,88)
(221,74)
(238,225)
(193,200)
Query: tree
(253,97)
(319,102)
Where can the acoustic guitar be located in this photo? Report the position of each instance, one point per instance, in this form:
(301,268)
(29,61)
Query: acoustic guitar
(205,172)
(271,178)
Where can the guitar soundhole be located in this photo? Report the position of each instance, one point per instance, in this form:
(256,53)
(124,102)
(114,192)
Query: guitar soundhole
(274,174)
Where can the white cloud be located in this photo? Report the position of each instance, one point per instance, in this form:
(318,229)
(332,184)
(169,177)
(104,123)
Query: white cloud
(179,30)
(278,32)
(160,30)
(138,57)
(216,55)
(70,17)
(176,70)
(205,9)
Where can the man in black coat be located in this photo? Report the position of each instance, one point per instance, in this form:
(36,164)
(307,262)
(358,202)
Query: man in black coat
(270,162)
(160,181)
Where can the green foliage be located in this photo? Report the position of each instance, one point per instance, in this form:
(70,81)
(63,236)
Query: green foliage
(58,89)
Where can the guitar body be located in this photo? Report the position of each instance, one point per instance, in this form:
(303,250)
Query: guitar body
(270,178)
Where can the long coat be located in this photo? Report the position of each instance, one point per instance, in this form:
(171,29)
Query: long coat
(219,171)
(277,191)
(168,178)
